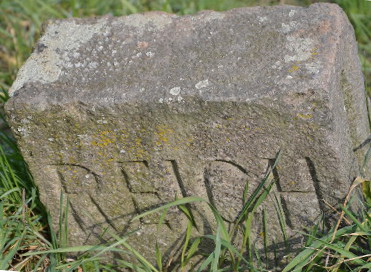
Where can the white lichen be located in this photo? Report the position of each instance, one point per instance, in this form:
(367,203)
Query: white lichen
(202,84)
(286,28)
(175,91)
(262,19)
(150,54)
(300,47)
(292,12)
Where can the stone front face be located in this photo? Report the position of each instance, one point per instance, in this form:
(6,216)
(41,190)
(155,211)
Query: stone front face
(125,114)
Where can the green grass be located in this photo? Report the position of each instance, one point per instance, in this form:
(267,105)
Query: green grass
(341,249)
(27,242)
(359,14)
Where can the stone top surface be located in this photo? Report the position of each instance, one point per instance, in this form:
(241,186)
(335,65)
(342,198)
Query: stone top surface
(238,55)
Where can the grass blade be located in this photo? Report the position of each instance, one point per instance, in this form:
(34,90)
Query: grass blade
(217,251)
(158,257)
(192,249)
(181,201)
(302,258)
(186,241)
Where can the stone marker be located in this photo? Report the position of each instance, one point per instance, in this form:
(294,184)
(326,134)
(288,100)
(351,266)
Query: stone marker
(123,114)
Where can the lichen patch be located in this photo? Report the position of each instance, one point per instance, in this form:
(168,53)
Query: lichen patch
(175,91)
(300,47)
(286,28)
(262,19)
(292,13)
(202,84)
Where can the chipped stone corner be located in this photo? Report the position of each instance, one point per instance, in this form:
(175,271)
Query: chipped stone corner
(46,63)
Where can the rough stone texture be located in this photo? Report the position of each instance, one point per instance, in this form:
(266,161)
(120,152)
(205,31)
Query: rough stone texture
(123,114)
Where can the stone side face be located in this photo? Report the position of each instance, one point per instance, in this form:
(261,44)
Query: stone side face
(124,114)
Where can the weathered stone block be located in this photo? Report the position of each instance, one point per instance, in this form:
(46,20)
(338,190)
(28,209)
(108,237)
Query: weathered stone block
(123,114)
